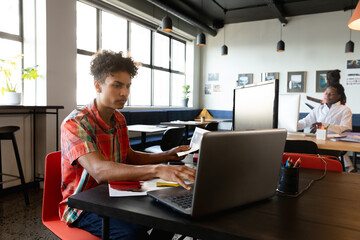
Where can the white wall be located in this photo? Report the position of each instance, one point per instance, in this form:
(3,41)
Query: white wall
(313,42)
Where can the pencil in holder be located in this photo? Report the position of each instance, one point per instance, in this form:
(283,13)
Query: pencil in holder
(289,180)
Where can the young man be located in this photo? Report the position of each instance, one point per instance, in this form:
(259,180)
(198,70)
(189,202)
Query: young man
(333,115)
(95,149)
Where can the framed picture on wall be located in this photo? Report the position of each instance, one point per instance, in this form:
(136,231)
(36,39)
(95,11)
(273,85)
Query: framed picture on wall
(320,80)
(296,81)
(270,76)
(244,79)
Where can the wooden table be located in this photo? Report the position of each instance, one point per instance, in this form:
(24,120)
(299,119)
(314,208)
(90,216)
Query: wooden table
(34,111)
(143,129)
(187,124)
(328,210)
(326,144)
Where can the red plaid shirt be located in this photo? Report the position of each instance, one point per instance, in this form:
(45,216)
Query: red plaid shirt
(82,132)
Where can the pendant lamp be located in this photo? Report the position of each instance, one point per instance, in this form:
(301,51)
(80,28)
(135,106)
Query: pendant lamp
(224,48)
(349,47)
(166,24)
(200,39)
(354,22)
(281,44)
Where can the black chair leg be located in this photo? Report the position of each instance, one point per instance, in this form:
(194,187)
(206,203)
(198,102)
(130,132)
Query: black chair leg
(20,169)
(341,157)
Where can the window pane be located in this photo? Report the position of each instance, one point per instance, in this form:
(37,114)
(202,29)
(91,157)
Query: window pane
(86,27)
(161,50)
(9,49)
(140,43)
(9,16)
(161,88)
(140,92)
(178,81)
(178,56)
(85,90)
(114,32)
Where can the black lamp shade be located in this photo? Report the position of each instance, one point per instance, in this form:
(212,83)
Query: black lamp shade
(224,50)
(280,46)
(349,47)
(200,39)
(166,24)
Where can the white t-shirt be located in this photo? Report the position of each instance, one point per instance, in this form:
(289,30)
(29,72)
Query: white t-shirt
(338,118)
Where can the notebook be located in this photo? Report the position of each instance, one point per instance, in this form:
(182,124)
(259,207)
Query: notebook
(234,168)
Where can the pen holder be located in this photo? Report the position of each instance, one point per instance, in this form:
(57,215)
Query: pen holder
(321,134)
(289,180)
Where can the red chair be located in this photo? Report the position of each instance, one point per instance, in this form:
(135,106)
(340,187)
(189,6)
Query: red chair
(51,198)
(315,162)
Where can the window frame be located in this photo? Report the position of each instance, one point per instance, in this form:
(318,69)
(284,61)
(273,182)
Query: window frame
(151,66)
(18,38)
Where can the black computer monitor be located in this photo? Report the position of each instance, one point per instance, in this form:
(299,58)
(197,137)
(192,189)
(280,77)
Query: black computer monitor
(255,106)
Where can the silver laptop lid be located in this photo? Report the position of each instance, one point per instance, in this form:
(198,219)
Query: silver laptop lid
(236,168)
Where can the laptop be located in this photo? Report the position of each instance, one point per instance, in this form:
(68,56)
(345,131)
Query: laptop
(234,168)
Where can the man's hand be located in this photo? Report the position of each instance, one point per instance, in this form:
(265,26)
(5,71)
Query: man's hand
(315,126)
(176,174)
(172,153)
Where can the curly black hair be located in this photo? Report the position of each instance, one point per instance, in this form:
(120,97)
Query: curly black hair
(106,62)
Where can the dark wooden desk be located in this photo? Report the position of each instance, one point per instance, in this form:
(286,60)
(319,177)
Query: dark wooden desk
(328,210)
(34,110)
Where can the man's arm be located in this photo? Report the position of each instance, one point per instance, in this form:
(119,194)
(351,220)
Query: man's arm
(104,171)
(314,99)
(345,123)
(138,158)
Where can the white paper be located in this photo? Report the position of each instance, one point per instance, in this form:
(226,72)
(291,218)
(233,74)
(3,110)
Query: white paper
(145,187)
(195,141)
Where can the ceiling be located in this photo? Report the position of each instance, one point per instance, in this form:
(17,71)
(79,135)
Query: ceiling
(214,13)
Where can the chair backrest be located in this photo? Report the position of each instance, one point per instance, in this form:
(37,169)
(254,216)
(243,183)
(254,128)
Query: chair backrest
(172,138)
(356,128)
(52,186)
(213,126)
(315,162)
(301,146)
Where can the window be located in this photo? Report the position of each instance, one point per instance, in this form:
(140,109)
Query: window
(114,32)
(162,74)
(140,43)
(11,38)
(86,34)
(161,50)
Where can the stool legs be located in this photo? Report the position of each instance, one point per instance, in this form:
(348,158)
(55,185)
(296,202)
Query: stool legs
(22,179)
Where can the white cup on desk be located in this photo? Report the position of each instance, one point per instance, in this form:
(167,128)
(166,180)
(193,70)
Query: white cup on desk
(321,134)
(202,119)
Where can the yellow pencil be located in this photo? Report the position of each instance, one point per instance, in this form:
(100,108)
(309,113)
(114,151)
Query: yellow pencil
(164,184)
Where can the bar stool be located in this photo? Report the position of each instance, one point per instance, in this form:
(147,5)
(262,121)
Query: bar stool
(7,133)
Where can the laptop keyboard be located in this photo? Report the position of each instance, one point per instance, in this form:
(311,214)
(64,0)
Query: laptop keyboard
(183,201)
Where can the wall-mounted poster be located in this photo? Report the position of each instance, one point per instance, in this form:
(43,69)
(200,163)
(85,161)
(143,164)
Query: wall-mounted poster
(320,81)
(270,76)
(217,88)
(207,89)
(213,76)
(244,79)
(296,81)
(353,72)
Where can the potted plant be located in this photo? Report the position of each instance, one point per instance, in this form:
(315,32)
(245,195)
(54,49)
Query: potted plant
(10,78)
(186,93)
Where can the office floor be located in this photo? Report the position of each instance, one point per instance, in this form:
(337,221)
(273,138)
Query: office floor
(18,221)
